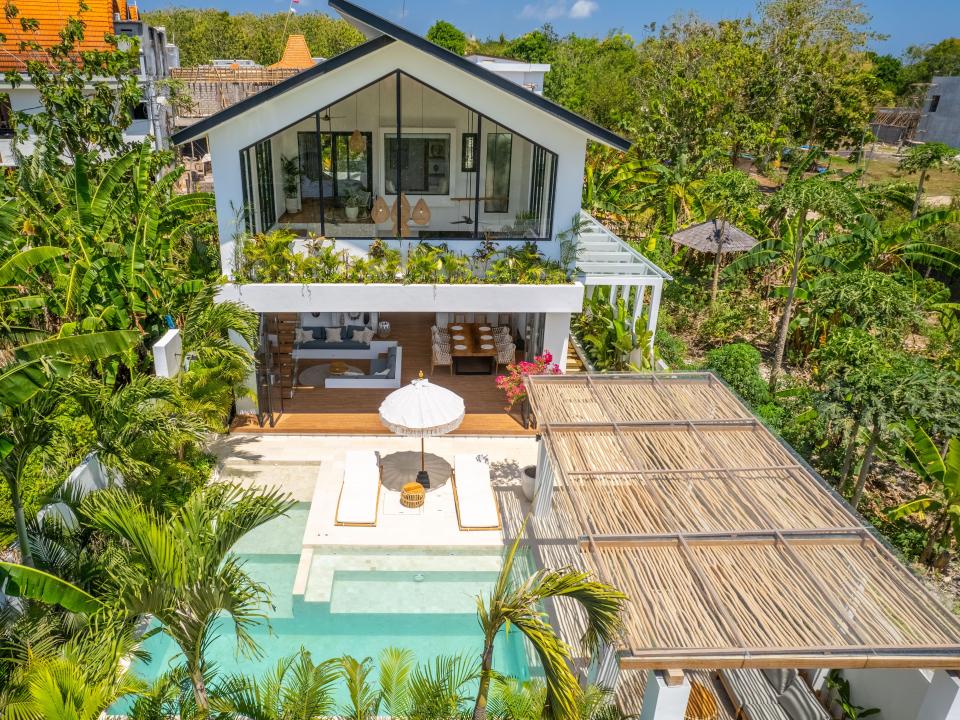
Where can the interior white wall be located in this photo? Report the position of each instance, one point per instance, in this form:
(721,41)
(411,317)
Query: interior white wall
(226,140)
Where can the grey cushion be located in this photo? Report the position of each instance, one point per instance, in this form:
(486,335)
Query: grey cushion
(780,678)
(324,345)
(318,333)
(799,703)
(377,364)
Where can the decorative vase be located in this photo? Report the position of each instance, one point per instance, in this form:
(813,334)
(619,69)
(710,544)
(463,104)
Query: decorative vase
(383,328)
(528,482)
(351,212)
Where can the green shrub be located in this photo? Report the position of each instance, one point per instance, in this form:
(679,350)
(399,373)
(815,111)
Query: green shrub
(673,350)
(739,365)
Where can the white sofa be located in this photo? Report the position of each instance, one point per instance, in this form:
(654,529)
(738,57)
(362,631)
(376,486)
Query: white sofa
(393,361)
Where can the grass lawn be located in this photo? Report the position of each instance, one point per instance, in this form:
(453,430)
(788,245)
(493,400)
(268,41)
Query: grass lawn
(883,168)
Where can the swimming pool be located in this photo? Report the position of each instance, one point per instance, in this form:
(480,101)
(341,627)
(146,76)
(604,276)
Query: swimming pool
(357,601)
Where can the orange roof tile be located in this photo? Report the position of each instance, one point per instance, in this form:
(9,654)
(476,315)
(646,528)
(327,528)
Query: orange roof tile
(296,55)
(51,18)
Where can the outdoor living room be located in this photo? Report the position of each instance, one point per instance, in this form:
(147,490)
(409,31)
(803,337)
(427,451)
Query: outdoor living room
(324,390)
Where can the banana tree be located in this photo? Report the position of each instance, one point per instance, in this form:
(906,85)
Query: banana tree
(27,582)
(941,474)
(517,604)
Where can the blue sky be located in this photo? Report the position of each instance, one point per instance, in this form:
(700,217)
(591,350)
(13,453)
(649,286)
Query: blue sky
(907,23)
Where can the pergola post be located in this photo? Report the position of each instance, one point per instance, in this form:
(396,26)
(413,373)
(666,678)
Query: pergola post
(942,700)
(614,290)
(638,304)
(666,696)
(657,289)
(543,492)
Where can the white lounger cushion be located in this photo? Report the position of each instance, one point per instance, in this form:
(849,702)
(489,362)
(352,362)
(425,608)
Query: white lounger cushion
(360,494)
(476,503)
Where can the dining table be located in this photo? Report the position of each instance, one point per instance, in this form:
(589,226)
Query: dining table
(472,340)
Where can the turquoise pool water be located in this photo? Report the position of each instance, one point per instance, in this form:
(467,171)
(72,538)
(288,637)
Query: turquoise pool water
(358,601)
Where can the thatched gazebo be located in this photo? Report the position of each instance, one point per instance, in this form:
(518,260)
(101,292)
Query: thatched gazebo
(716,237)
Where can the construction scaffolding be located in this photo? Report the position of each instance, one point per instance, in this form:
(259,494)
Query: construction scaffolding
(212,88)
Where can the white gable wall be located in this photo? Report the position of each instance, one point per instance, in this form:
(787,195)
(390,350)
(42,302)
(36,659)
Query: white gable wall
(228,138)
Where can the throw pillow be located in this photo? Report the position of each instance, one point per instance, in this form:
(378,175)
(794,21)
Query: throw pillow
(383,373)
(368,335)
(302,336)
(318,333)
(333,334)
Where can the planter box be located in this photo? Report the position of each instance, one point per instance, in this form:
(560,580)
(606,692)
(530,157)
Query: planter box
(395,297)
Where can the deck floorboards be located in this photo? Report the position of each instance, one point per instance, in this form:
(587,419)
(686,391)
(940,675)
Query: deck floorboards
(348,411)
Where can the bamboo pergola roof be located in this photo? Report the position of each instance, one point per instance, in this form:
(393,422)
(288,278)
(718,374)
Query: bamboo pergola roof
(734,553)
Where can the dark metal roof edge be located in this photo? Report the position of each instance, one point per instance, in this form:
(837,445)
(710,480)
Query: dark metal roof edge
(403,35)
(200,128)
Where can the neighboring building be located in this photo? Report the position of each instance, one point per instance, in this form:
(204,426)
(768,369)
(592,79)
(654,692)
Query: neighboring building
(529,75)
(151,118)
(488,158)
(940,119)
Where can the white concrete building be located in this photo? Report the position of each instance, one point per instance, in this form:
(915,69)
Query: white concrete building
(482,156)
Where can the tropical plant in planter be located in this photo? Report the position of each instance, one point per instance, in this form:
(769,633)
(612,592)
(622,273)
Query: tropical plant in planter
(353,201)
(612,340)
(291,183)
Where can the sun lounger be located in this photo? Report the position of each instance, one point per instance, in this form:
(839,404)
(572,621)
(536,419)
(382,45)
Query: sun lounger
(771,695)
(472,494)
(360,493)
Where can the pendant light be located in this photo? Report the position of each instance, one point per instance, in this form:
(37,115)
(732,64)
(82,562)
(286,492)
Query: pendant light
(421,211)
(356,142)
(380,212)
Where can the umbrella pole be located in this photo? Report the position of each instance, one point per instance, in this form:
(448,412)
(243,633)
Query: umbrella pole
(421,454)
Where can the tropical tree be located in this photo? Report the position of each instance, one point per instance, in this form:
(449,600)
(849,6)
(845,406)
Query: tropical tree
(448,36)
(924,158)
(29,399)
(135,423)
(730,197)
(361,692)
(517,604)
(671,193)
(435,690)
(940,473)
(801,210)
(295,689)
(905,246)
(181,569)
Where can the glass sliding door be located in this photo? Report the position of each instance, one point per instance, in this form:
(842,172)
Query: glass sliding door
(265,189)
(496,196)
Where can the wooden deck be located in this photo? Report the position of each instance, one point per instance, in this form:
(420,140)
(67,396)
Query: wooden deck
(348,411)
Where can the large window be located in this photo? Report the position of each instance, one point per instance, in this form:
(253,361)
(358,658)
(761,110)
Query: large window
(424,163)
(497,188)
(268,210)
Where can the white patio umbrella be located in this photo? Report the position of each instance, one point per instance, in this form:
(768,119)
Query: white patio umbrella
(422,409)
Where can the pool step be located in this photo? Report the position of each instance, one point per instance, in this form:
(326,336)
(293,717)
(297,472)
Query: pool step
(408,592)
(319,583)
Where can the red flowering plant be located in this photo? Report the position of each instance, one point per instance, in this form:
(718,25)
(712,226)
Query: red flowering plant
(513,384)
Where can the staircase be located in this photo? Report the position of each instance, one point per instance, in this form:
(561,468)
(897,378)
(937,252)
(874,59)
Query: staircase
(574,365)
(286,326)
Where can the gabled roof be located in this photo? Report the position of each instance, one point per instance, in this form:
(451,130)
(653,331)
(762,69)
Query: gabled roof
(371,24)
(382,32)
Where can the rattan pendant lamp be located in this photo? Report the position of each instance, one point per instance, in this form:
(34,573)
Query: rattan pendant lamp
(380,212)
(421,211)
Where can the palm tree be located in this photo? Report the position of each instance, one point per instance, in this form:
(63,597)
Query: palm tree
(512,699)
(218,344)
(135,421)
(517,604)
(180,568)
(941,474)
(295,689)
(79,680)
(923,159)
(364,700)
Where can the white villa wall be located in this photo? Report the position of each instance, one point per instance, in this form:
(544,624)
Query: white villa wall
(906,694)
(227,139)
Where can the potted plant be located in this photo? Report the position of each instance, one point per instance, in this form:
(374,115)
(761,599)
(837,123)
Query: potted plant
(513,384)
(354,199)
(291,183)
